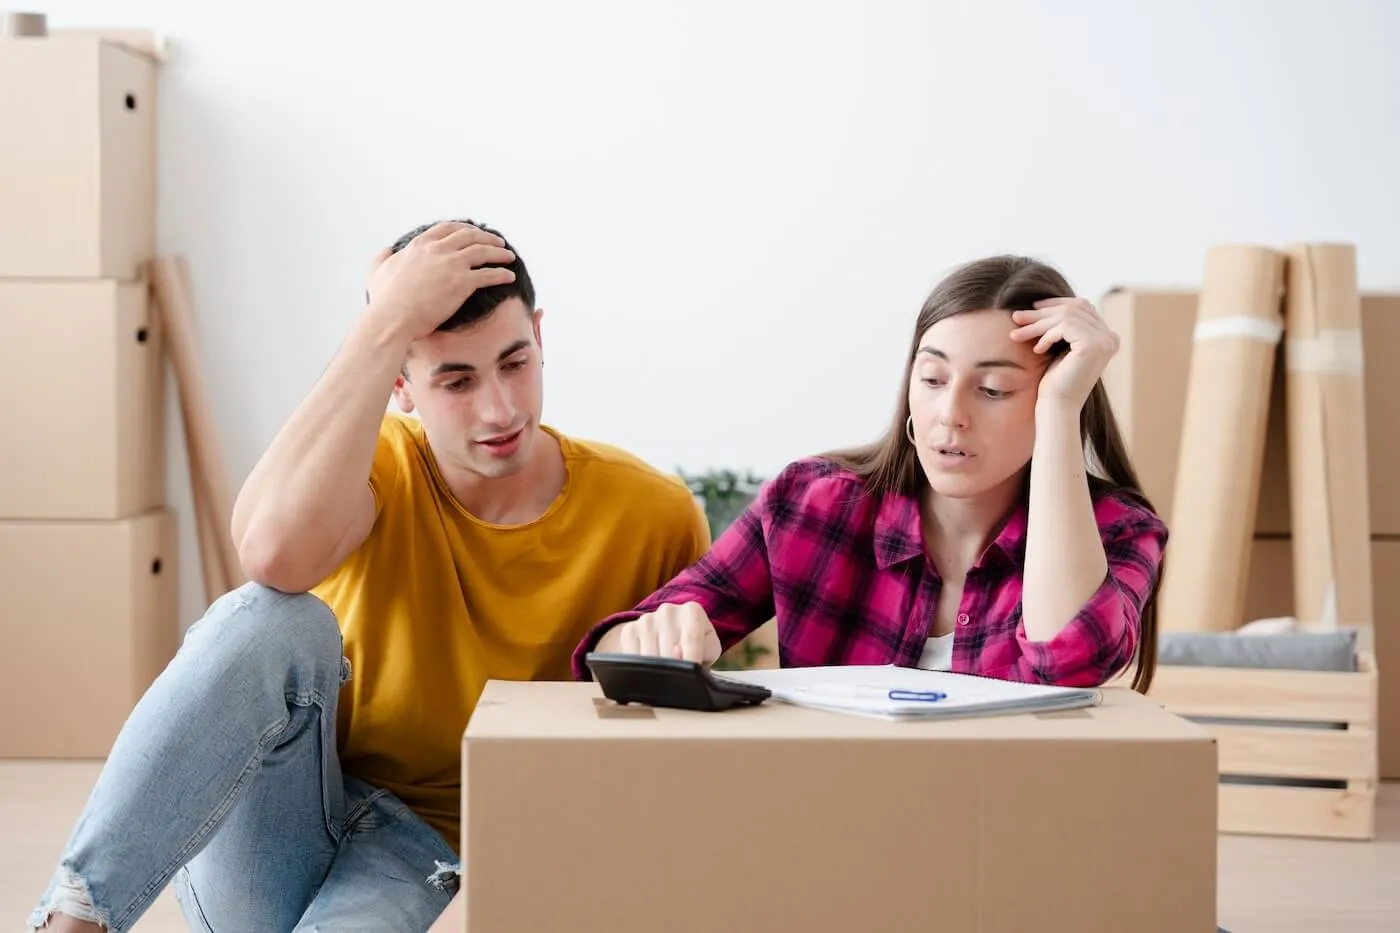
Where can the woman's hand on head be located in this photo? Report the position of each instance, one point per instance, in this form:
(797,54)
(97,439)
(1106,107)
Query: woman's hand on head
(673,631)
(1068,380)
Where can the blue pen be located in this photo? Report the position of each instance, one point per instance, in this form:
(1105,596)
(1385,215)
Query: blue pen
(919,696)
(861,691)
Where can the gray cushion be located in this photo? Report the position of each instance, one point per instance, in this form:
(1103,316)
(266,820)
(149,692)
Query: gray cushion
(1290,651)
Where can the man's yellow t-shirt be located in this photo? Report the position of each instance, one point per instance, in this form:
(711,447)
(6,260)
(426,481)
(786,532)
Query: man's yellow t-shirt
(436,602)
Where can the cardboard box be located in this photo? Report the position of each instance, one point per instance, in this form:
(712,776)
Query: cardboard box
(82,368)
(584,816)
(1385,566)
(1270,591)
(89,618)
(1146,382)
(78,170)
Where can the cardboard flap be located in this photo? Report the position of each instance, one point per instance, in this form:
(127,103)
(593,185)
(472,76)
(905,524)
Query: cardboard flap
(146,43)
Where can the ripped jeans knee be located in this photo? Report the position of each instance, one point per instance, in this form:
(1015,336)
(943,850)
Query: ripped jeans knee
(447,878)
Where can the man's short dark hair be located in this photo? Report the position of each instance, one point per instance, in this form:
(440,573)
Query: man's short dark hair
(483,301)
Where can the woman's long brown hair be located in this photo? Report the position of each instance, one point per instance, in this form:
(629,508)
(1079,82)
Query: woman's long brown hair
(1008,283)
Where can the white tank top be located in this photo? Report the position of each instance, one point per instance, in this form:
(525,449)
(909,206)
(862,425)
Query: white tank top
(938,653)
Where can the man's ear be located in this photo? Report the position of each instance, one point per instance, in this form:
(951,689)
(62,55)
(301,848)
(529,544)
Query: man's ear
(535,319)
(403,394)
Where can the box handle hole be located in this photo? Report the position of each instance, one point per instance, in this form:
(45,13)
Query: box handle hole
(141,335)
(155,565)
(131,102)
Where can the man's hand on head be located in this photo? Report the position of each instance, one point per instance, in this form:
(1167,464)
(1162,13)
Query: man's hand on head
(423,284)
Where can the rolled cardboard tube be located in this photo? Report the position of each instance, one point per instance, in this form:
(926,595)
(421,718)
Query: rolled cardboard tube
(1329,479)
(26,25)
(1239,324)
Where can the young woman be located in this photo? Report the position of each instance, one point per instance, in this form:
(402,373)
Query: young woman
(997,528)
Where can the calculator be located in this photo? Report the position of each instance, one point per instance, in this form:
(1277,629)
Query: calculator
(669,683)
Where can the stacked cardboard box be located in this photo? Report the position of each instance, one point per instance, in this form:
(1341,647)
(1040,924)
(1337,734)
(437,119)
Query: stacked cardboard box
(87,545)
(1146,382)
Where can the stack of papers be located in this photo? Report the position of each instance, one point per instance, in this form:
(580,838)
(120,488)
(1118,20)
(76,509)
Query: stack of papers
(889,692)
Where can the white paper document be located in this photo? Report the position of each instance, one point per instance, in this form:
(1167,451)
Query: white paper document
(889,692)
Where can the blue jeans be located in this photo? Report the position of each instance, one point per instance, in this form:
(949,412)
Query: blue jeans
(226,782)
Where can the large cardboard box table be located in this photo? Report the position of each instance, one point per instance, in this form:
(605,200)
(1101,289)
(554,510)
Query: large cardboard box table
(581,815)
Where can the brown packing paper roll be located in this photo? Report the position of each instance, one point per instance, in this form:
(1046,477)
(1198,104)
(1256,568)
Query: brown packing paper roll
(1326,412)
(1238,326)
(169,279)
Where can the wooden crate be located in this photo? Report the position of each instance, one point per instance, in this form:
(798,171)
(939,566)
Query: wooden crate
(1298,754)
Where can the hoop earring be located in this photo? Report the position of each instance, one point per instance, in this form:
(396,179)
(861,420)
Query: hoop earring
(909,430)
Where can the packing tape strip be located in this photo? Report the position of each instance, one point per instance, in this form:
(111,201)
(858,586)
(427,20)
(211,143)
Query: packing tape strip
(1239,325)
(1331,351)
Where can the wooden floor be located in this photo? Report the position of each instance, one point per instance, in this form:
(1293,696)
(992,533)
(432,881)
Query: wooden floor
(1266,885)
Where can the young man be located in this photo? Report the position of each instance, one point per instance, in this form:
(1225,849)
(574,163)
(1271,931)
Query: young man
(297,766)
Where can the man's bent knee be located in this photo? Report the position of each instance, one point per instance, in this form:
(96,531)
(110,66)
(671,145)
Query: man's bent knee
(257,623)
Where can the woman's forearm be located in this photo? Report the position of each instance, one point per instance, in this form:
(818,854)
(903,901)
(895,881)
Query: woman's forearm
(1065,560)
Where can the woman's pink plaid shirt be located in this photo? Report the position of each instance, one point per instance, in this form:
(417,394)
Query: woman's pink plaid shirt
(848,580)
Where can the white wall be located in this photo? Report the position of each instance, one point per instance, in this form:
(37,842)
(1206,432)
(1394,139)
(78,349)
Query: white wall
(777,184)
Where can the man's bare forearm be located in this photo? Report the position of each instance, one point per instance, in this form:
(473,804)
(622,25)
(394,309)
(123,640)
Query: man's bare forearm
(300,500)
(307,502)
